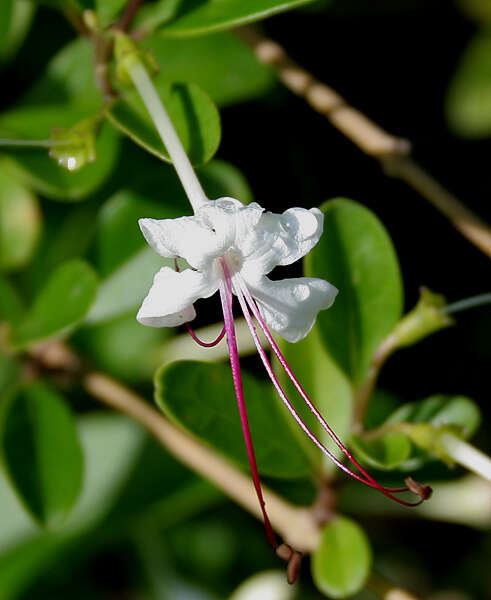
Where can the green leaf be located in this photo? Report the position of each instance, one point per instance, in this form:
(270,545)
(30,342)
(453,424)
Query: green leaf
(195,17)
(329,389)
(127,286)
(221,64)
(111,444)
(356,254)
(386,452)
(468,101)
(193,114)
(11,305)
(39,171)
(108,10)
(42,453)
(122,347)
(441,411)
(60,306)
(200,397)
(20,223)
(6,14)
(10,373)
(68,81)
(342,561)
(15,26)
(118,236)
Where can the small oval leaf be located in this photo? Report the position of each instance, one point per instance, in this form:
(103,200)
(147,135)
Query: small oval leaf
(20,223)
(192,112)
(386,452)
(356,254)
(342,562)
(41,452)
(62,303)
(200,397)
(195,18)
(468,102)
(221,64)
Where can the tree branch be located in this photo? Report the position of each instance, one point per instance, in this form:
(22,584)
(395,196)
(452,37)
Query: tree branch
(392,152)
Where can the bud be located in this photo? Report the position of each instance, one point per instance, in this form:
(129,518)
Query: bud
(74,147)
(425,318)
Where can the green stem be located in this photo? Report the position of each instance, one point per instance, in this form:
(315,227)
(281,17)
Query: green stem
(479,300)
(161,119)
(466,455)
(34,143)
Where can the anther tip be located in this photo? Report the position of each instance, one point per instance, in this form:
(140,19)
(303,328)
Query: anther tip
(294,566)
(423,491)
(284,551)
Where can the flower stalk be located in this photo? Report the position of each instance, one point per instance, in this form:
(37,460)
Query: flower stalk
(465,454)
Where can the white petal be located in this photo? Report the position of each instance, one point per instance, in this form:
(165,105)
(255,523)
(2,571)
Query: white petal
(170,299)
(290,306)
(280,239)
(187,237)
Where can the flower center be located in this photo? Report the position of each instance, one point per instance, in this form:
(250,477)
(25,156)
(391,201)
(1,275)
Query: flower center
(234,260)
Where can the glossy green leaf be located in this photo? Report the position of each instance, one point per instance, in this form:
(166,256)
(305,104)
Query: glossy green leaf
(441,411)
(127,286)
(11,305)
(111,444)
(221,64)
(193,114)
(200,397)
(468,101)
(356,254)
(195,17)
(108,10)
(66,235)
(10,373)
(20,223)
(6,14)
(41,452)
(62,303)
(341,563)
(15,26)
(328,388)
(386,452)
(67,81)
(38,170)
(123,348)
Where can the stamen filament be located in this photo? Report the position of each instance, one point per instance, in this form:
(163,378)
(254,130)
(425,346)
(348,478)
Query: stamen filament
(242,291)
(205,344)
(226,298)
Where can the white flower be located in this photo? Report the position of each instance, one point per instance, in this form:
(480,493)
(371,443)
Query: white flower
(252,242)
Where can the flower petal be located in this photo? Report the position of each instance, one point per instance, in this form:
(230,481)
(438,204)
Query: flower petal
(186,237)
(290,306)
(170,299)
(280,239)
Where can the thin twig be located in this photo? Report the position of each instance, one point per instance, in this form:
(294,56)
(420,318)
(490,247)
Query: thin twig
(295,524)
(392,152)
(364,393)
(129,13)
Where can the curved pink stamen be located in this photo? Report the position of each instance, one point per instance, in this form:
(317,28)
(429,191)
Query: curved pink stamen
(227,299)
(369,481)
(205,344)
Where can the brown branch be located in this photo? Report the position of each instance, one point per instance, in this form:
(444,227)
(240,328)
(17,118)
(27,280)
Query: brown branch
(129,14)
(392,152)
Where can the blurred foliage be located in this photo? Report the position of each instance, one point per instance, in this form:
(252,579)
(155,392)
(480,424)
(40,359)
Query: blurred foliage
(90,506)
